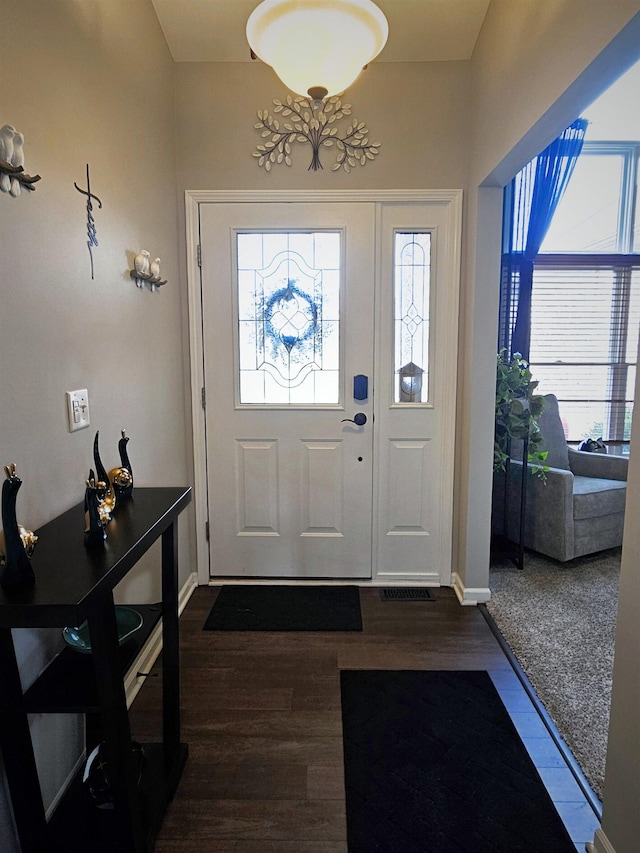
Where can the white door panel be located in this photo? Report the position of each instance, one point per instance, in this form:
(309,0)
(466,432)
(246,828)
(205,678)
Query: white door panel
(290,485)
(415,440)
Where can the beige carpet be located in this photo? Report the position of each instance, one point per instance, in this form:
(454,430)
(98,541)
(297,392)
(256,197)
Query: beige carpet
(559,619)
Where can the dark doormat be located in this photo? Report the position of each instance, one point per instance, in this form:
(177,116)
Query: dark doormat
(433,764)
(286,608)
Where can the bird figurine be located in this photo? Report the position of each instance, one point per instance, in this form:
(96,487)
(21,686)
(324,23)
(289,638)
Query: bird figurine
(94,518)
(29,541)
(16,570)
(17,159)
(141,264)
(7,132)
(154,269)
(107,499)
(122,478)
(122,450)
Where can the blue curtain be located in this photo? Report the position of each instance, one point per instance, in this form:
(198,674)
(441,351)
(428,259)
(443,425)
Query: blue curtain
(531,200)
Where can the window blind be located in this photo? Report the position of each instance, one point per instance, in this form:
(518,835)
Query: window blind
(585,318)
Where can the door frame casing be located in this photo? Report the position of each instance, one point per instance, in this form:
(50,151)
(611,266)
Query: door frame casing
(450,199)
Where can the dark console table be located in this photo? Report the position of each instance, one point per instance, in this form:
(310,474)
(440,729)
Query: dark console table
(74,584)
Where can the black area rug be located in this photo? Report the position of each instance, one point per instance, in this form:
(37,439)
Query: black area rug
(286,608)
(433,764)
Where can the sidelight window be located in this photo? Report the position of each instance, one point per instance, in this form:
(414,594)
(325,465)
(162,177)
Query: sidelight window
(412,287)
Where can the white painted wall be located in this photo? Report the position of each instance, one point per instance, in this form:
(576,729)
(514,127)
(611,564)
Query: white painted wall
(621,789)
(535,66)
(419,111)
(87,81)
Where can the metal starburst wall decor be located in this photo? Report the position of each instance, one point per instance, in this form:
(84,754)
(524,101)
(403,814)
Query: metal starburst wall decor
(315,123)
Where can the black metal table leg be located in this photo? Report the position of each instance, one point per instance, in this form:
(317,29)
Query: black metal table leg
(17,752)
(170,647)
(115,723)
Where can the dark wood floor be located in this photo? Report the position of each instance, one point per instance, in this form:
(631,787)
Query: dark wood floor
(261,714)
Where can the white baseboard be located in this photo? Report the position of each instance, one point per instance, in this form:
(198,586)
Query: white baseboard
(469,594)
(152,648)
(601,844)
(405,580)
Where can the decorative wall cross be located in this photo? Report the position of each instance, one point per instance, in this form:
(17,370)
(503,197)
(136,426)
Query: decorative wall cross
(91,225)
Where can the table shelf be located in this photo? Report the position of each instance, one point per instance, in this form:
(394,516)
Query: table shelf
(68,684)
(74,584)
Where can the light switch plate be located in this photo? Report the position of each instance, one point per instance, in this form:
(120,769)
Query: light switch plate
(78,409)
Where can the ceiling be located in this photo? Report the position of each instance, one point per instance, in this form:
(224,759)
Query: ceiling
(419,30)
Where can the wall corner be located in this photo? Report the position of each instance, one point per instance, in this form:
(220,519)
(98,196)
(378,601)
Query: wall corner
(469,595)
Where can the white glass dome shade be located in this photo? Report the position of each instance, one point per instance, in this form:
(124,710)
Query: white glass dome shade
(317,47)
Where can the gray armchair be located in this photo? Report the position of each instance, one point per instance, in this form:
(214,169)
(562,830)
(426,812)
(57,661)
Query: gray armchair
(580,507)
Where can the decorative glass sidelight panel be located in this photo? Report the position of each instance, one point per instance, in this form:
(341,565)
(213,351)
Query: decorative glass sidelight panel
(412,280)
(289,317)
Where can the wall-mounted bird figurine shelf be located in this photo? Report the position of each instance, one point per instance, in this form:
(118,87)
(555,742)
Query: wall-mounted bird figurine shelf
(146,271)
(12,174)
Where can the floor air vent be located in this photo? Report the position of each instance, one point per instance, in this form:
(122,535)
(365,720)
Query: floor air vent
(406,595)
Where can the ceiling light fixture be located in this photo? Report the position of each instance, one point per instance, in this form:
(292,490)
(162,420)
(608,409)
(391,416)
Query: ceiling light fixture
(317,47)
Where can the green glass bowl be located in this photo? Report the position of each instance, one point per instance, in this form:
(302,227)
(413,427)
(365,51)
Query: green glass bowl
(128,621)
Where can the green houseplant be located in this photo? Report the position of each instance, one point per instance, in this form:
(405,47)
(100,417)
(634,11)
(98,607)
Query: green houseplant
(518,409)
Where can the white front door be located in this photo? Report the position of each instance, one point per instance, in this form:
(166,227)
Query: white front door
(316,315)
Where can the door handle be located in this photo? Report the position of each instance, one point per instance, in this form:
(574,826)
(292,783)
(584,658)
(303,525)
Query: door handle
(359,420)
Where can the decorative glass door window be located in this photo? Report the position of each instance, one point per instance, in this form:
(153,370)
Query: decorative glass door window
(412,285)
(289,318)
